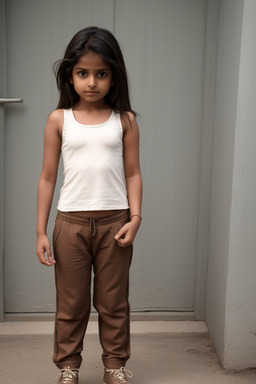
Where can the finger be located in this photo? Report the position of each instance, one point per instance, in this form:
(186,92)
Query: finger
(48,251)
(122,245)
(124,242)
(49,261)
(120,234)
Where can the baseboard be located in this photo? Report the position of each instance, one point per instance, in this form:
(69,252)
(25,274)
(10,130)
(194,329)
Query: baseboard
(135,316)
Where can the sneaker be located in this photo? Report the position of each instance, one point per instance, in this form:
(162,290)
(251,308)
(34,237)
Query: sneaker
(117,376)
(68,376)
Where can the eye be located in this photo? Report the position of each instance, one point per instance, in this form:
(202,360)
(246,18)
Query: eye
(82,73)
(102,75)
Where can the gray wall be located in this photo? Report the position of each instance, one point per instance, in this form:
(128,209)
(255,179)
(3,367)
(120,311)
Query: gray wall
(2,95)
(231,283)
(164,47)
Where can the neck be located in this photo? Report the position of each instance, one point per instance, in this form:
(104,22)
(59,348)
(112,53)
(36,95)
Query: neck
(91,107)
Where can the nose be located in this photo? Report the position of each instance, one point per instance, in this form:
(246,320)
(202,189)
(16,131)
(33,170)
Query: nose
(92,82)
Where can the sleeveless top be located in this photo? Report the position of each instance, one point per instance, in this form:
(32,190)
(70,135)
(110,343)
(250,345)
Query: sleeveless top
(93,165)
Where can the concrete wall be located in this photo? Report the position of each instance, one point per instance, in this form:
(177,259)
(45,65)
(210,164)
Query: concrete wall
(3,87)
(241,279)
(164,53)
(231,282)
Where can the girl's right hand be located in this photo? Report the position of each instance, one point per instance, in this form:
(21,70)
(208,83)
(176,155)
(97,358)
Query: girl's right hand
(43,250)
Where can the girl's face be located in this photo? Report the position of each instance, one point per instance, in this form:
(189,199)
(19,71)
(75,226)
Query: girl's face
(91,78)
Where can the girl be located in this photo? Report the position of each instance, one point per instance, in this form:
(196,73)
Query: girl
(99,210)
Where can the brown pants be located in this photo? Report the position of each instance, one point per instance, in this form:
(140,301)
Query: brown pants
(83,241)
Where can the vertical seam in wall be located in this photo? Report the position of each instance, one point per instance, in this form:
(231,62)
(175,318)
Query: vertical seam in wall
(114,28)
(3,91)
(227,360)
(211,40)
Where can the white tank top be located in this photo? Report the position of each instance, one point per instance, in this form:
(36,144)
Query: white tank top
(93,165)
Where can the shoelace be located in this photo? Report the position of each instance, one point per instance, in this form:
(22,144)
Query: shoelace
(67,375)
(120,374)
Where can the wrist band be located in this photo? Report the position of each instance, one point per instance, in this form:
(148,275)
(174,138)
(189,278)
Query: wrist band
(136,214)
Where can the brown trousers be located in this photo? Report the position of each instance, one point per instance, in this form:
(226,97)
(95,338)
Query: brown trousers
(82,242)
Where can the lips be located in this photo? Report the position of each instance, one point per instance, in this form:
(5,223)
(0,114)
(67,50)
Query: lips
(92,93)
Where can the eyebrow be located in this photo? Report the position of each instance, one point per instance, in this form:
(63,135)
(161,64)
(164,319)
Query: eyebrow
(86,69)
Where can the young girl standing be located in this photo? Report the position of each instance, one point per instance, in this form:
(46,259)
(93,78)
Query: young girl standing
(99,210)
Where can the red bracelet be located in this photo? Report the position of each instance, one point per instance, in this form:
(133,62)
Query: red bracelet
(136,214)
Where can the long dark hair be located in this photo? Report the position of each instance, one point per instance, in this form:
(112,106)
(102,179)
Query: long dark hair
(103,43)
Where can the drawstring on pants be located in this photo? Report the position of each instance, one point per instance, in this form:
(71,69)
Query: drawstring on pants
(92,223)
(91,220)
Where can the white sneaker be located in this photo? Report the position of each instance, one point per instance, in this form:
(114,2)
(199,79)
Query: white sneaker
(68,376)
(117,376)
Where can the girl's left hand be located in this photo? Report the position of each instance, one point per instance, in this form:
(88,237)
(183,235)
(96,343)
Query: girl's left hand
(127,233)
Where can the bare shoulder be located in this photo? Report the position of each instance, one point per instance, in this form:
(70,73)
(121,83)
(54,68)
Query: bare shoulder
(56,116)
(56,120)
(129,122)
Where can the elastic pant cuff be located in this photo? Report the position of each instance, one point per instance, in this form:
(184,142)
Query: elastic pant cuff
(114,363)
(69,364)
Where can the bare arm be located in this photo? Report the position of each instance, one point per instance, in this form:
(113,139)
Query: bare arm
(46,185)
(133,178)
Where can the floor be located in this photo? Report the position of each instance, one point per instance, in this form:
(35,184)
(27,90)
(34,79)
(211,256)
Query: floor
(163,352)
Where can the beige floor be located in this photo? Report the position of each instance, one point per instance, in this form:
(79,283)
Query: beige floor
(163,352)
